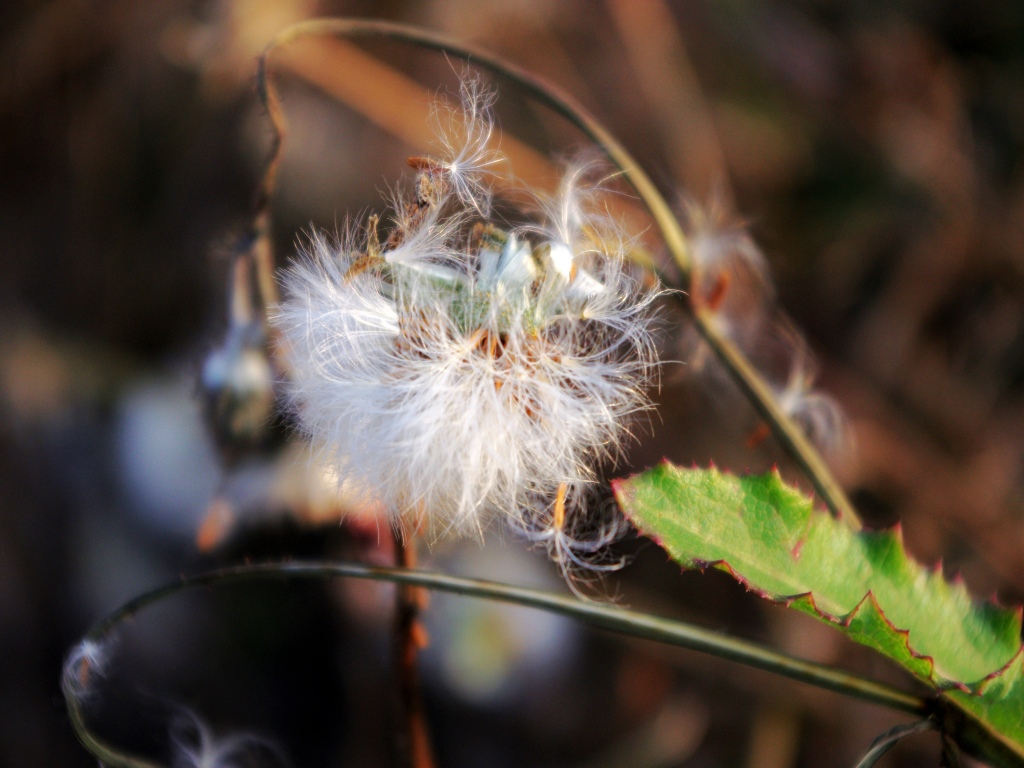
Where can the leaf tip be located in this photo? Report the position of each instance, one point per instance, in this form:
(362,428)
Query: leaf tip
(622,491)
(897,532)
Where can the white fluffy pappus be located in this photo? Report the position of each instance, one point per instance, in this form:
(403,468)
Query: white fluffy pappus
(818,414)
(85,663)
(194,745)
(730,274)
(460,370)
(731,280)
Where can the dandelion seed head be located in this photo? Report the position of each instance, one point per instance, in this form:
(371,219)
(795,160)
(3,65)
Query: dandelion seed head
(460,368)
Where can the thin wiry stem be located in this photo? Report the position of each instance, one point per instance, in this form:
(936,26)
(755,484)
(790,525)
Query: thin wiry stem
(750,381)
(611,618)
(107,754)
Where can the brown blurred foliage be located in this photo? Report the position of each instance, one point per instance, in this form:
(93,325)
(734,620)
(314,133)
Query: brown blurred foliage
(876,148)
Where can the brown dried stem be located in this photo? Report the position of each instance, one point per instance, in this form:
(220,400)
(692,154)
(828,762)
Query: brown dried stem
(413,735)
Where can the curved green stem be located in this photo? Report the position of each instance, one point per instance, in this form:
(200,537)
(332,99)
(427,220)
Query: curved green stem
(107,755)
(635,624)
(611,618)
(547,94)
(743,372)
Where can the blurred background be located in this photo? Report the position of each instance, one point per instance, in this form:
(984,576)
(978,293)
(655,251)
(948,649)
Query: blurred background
(876,152)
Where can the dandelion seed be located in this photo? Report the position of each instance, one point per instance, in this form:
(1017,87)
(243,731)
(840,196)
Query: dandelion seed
(86,662)
(792,375)
(730,274)
(195,746)
(466,134)
(730,278)
(817,413)
(466,369)
(580,545)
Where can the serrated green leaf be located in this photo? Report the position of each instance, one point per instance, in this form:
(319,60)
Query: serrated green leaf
(769,537)
(989,719)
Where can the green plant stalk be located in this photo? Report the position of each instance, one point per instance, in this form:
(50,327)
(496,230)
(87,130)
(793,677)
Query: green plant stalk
(631,623)
(108,755)
(752,384)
